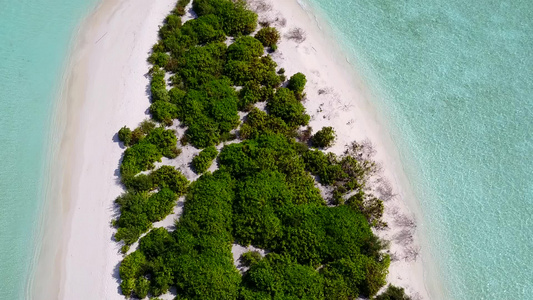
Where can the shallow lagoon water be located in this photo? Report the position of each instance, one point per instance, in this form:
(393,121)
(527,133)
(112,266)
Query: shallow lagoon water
(34,43)
(453,79)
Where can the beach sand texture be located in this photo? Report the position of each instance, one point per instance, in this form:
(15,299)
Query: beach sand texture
(106,88)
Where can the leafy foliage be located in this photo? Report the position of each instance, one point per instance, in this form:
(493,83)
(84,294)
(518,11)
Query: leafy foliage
(323,138)
(297,84)
(204,159)
(124,135)
(393,293)
(278,277)
(268,36)
(245,49)
(285,106)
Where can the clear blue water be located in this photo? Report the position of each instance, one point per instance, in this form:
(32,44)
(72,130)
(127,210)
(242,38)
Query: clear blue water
(34,42)
(455,79)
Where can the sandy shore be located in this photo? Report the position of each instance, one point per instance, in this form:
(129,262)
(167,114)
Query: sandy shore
(106,88)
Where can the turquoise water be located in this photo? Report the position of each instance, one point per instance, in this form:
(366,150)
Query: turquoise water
(34,42)
(455,79)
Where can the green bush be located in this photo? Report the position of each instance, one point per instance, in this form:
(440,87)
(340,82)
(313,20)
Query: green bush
(278,277)
(236,19)
(204,159)
(260,123)
(245,49)
(169,177)
(285,106)
(159,59)
(124,135)
(297,84)
(268,36)
(324,138)
(131,267)
(393,293)
(250,258)
(164,139)
(205,29)
(163,112)
(139,157)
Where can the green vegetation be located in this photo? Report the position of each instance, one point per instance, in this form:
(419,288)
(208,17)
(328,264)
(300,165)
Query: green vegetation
(285,106)
(204,159)
(264,193)
(324,138)
(250,258)
(393,293)
(268,36)
(297,85)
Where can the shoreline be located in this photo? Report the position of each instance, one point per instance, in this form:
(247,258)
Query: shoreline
(88,256)
(82,255)
(319,52)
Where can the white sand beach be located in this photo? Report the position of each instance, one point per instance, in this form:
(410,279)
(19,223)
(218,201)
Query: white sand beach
(106,88)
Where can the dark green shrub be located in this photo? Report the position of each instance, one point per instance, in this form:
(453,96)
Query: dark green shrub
(250,94)
(204,29)
(268,36)
(124,135)
(204,159)
(236,19)
(165,140)
(324,138)
(250,258)
(147,126)
(159,59)
(278,277)
(290,110)
(131,267)
(139,157)
(158,85)
(245,48)
(297,84)
(393,293)
(170,177)
(259,123)
(163,112)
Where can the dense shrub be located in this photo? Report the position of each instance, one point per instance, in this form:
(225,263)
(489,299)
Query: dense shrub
(297,84)
(209,112)
(278,277)
(204,159)
(163,112)
(139,210)
(204,29)
(165,140)
(169,177)
(268,36)
(323,138)
(249,258)
(124,135)
(260,123)
(393,293)
(235,18)
(159,59)
(139,157)
(245,49)
(285,106)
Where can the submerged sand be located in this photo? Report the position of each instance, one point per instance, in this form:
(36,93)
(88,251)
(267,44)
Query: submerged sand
(106,88)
